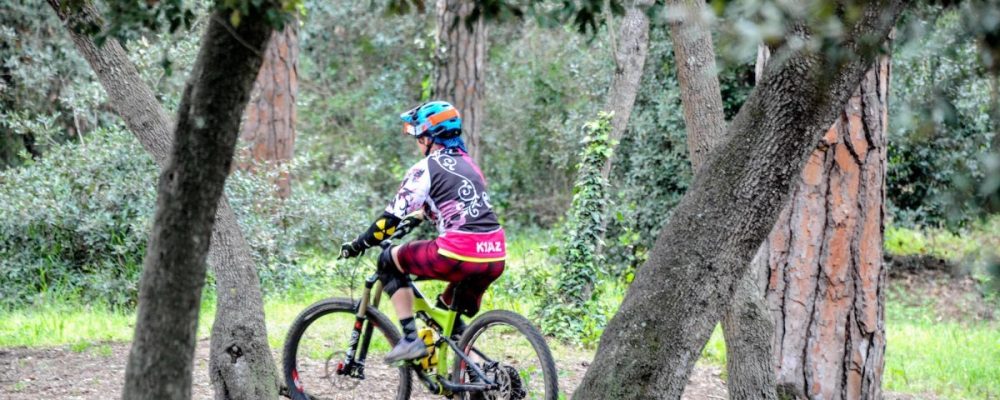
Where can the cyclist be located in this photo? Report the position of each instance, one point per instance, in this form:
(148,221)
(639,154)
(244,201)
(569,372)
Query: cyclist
(448,187)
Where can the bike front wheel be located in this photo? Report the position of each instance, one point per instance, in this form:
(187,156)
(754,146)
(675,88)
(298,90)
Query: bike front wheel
(512,354)
(316,347)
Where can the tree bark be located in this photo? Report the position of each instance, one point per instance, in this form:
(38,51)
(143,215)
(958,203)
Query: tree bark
(630,59)
(746,324)
(239,321)
(269,126)
(697,77)
(651,344)
(460,75)
(189,190)
(824,256)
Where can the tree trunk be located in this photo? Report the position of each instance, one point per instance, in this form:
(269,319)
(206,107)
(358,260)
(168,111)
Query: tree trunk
(240,362)
(651,344)
(460,76)
(697,77)
(748,329)
(827,279)
(269,126)
(630,58)
(746,323)
(239,321)
(190,187)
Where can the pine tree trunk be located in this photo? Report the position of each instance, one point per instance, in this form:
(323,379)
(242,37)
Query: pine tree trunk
(630,59)
(460,76)
(826,276)
(746,324)
(652,343)
(269,126)
(239,321)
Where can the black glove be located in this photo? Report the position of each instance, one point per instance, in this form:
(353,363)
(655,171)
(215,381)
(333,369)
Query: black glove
(351,249)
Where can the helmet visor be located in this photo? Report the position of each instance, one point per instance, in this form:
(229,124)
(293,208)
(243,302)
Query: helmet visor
(409,129)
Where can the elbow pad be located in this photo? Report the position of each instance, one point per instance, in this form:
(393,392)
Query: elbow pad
(383,227)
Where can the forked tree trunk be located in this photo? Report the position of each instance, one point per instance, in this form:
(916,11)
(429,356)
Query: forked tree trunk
(190,187)
(826,288)
(652,343)
(460,75)
(239,328)
(630,59)
(746,324)
(269,126)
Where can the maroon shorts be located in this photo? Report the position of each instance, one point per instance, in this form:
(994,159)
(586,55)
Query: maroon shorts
(467,280)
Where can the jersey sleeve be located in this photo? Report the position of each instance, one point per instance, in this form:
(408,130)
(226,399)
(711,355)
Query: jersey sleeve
(412,192)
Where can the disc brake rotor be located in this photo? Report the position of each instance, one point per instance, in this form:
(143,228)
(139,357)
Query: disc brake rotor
(333,372)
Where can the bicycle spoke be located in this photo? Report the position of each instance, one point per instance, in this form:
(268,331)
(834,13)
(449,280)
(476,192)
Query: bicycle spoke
(321,368)
(509,360)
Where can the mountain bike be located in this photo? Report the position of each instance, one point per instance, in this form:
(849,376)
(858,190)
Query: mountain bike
(501,355)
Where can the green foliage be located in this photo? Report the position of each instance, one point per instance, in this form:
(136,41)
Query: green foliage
(284,232)
(571,313)
(46,97)
(972,249)
(540,82)
(585,15)
(349,109)
(940,128)
(76,221)
(651,167)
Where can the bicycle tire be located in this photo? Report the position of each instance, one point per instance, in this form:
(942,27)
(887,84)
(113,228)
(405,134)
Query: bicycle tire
(525,329)
(315,312)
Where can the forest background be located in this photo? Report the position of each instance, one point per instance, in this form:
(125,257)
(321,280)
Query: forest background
(77,191)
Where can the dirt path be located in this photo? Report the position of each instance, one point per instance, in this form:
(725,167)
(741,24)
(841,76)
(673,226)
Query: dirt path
(98,372)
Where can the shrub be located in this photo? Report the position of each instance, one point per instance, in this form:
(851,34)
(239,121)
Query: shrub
(76,221)
(940,127)
(282,231)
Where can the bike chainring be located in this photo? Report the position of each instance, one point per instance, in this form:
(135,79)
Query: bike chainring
(508,381)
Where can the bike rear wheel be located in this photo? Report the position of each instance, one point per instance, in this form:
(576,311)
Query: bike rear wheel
(512,353)
(316,346)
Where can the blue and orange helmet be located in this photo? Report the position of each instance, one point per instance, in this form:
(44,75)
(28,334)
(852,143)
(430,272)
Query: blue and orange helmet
(437,119)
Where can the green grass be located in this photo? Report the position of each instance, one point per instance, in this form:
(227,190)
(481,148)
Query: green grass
(923,355)
(973,248)
(56,324)
(64,322)
(949,359)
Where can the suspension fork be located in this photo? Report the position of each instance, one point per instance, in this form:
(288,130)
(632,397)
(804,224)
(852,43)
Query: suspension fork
(373,291)
(362,332)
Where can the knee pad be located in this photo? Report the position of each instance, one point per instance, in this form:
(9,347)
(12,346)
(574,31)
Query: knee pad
(392,279)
